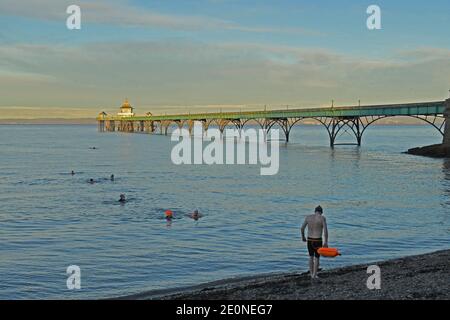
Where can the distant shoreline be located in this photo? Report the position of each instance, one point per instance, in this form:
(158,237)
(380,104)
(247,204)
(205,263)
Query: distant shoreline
(409,278)
(44,121)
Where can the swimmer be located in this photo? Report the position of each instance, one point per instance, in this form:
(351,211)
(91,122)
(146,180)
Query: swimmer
(91,181)
(122,198)
(112,177)
(72,173)
(169,215)
(195,215)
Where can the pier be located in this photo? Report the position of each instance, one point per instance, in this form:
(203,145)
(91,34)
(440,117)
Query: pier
(352,119)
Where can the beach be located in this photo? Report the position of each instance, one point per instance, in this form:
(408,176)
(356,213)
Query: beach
(421,277)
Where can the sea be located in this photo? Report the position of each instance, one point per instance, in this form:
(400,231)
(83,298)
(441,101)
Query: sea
(379,203)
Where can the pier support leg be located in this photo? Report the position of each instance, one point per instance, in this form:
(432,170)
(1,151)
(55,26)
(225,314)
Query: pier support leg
(332,133)
(191,124)
(152,126)
(357,131)
(446,141)
(337,125)
(286,129)
(101,126)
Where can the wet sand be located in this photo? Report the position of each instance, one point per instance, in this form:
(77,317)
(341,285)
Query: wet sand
(417,277)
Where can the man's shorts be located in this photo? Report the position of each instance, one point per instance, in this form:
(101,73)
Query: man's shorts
(314,244)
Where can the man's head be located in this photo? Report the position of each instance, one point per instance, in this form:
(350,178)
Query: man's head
(169,214)
(122,197)
(196,212)
(318,210)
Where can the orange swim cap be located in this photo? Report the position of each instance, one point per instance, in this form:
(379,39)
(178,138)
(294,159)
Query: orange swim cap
(169,213)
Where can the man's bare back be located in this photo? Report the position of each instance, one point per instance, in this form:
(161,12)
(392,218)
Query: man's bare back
(315,224)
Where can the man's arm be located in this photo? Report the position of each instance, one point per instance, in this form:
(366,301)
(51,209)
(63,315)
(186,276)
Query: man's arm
(325,232)
(303,230)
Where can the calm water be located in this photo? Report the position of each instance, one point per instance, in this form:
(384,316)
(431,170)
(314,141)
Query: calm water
(379,204)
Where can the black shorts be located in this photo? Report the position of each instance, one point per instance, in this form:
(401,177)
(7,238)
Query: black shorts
(314,244)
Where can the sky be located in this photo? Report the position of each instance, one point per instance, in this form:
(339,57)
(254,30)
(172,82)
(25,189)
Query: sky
(172,55)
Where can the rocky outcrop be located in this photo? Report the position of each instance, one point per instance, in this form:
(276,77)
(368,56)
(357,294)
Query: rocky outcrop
(435,151)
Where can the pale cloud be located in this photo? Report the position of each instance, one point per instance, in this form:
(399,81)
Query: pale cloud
(181,73)
(424,54)
(122,13)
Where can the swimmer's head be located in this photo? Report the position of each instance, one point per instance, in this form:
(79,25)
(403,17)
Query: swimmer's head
(318,210)
(196,212)
(122,197)
(91,180)
(169,214)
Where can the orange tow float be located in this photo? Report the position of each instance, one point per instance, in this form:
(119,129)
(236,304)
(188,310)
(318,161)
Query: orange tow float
(329,252)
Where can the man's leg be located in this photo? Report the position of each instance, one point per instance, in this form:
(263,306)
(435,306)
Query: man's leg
(311,266)
(316,267)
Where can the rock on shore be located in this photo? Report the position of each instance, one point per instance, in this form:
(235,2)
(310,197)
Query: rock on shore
(435,151)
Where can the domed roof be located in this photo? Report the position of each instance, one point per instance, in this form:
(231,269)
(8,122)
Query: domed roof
(126,104)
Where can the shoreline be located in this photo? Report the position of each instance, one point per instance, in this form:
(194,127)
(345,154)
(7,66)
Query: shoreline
(419,277)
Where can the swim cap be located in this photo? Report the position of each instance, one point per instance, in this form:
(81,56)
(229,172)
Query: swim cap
(169,213)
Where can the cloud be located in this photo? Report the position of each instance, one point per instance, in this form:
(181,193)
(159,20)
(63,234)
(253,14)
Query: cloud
(122,13)
(100,75)
(424,54)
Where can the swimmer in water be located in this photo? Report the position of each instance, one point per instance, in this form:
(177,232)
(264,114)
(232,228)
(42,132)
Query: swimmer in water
(169,215)
(122,198)
(91,181)
(195,215)
(72,173)
(112,177)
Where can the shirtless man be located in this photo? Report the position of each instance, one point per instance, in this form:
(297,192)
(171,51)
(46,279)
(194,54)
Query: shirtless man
(316,224)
